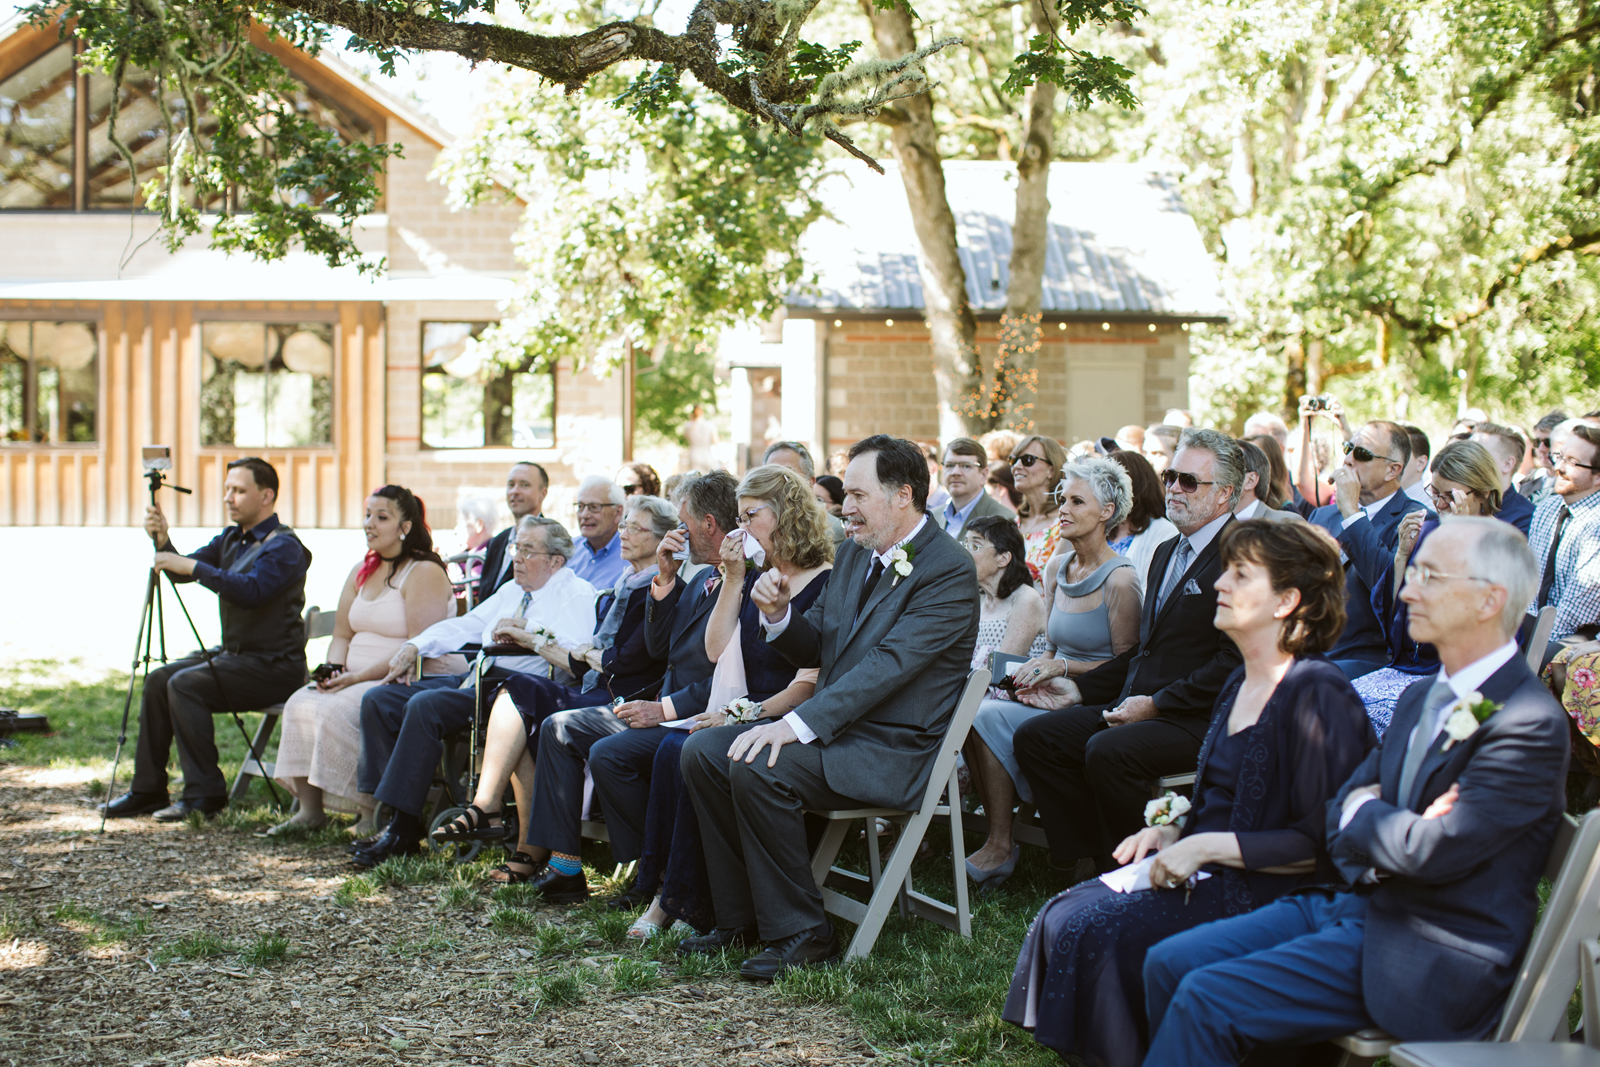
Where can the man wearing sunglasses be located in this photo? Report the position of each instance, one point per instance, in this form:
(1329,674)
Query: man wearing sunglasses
(1365,519)
(1144,713)
(1566,537)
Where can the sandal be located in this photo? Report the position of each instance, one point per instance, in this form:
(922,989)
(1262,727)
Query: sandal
(513,876)
(472,825)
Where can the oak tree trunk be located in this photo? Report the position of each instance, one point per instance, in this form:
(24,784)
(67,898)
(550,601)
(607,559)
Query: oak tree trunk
(951,326)
(1018,379)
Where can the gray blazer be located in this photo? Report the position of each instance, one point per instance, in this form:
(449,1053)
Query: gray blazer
(987,505)
(889,679)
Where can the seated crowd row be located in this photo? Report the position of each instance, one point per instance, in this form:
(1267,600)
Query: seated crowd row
(699,658)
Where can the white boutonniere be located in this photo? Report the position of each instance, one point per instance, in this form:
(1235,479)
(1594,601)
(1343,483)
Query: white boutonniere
(742,710)
(1467,714)
(1166,810)
(900,561)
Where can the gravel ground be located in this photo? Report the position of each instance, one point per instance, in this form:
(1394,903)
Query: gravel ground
(141,947)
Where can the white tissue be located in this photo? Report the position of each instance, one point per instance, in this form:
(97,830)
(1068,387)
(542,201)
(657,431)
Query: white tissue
(754,552)
(1135,877)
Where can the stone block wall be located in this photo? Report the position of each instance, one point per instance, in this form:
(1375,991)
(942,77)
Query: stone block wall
(879,376)
(424,234)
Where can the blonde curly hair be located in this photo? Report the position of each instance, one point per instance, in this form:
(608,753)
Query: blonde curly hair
(801,537)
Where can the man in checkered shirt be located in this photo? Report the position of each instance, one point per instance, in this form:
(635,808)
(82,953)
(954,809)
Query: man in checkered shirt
(1570,518)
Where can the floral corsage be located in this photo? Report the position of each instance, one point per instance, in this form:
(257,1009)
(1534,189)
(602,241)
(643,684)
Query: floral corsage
(742,710)
(1471,711)
(1166,810)
(900,559)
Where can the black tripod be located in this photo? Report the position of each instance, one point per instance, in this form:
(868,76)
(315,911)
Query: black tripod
(152,621)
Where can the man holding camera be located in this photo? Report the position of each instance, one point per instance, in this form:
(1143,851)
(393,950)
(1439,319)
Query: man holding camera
(257,568)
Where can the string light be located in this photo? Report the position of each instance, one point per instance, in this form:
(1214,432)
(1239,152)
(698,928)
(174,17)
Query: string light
(1003,394)
(888,322)
(837,323)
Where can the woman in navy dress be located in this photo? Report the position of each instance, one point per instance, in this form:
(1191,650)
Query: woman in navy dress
(1287,731)
(778,513)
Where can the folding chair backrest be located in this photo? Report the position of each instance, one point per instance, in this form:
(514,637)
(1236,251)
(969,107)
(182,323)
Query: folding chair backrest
(1541,637)
(319,623)
(1536,1009)
(464,560)
(955,737)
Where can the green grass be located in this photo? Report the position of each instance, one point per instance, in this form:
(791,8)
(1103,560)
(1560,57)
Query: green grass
(508,920)
(198,946)
(14,922)
(85,713)
(523,895)
(559,990)
(558,939)
(355,888)
(95,928)
(266,949)
(435,944)
(629,975)
(410,870)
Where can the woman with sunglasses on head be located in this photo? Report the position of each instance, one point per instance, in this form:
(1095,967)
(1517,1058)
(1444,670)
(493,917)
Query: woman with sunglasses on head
(1285,734)
(1466,481)
(782,527)
(1094,599)
(1036,469)
(614,663)
(638,479)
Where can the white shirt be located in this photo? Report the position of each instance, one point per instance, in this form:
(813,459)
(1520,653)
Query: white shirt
(1466,680)
(564,606)
(1369,510)
(1249,511)
(1418,491)
(774,629)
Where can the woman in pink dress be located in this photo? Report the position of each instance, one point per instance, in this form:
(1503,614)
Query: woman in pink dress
(399,589)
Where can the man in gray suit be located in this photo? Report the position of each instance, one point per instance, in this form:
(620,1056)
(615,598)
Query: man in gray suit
(966,475)
(893,636)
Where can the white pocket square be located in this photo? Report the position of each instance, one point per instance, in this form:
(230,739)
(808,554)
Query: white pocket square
(1191,588)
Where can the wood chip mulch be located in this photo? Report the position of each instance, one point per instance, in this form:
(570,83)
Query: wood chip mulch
(351,990)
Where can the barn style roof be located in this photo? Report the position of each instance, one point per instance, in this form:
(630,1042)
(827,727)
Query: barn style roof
(1121,245)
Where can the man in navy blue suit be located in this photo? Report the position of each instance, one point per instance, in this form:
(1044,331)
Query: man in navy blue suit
(1441,835)
(1508,447)
(1365,519)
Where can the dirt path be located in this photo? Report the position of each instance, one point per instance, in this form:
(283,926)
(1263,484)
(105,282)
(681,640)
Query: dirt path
(95,930)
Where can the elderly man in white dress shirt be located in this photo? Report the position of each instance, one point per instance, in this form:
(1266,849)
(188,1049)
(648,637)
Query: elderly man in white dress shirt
(403,726)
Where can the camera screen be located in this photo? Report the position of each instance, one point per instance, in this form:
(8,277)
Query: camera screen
(157,457)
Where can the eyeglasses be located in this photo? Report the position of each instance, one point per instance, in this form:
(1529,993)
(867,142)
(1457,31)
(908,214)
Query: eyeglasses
(634,528)
(1027,459)
(1561,459)
(1426,576)
(749,516)
(585,509)
(1444,500)
(975,545)
(1182,479)
(524,552)
(1364,455)
(963,467)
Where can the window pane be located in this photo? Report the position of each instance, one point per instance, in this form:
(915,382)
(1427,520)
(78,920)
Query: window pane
(535,405)
(452,391)
(141,127)
(14,348)
(65,357)
(266,386)
(36,133)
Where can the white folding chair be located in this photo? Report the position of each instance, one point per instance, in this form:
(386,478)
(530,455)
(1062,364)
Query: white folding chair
(1541,637)
(1536,1009)
(319,623)
(893,881)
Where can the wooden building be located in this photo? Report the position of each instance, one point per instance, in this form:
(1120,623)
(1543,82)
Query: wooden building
(109,343)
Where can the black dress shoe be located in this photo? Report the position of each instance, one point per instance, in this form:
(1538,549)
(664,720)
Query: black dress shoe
(383,846)
(180,811)
(805,949)
(632,897)
(361,844)
(131,803)
(557,888)
(719,939)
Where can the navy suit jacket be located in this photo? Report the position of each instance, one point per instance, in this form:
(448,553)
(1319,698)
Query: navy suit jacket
(1182,660)
(1451,915)
(494,557)
(1515,509)
(675,630)
(1365,543)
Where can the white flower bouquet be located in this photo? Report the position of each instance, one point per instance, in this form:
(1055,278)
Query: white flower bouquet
(1167,810)
(742,710)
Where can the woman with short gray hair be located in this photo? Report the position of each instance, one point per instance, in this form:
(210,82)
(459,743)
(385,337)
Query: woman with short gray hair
(1094,603)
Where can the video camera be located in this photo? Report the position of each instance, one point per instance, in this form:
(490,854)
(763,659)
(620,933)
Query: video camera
(157,460)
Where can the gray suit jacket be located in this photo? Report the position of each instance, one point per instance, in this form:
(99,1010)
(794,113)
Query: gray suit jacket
(889,679)
(987,505)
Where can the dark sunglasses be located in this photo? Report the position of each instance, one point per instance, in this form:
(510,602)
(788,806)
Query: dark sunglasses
(1185,481)
(1541,442)
(628,490)
(1028,459)
(1363,455)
